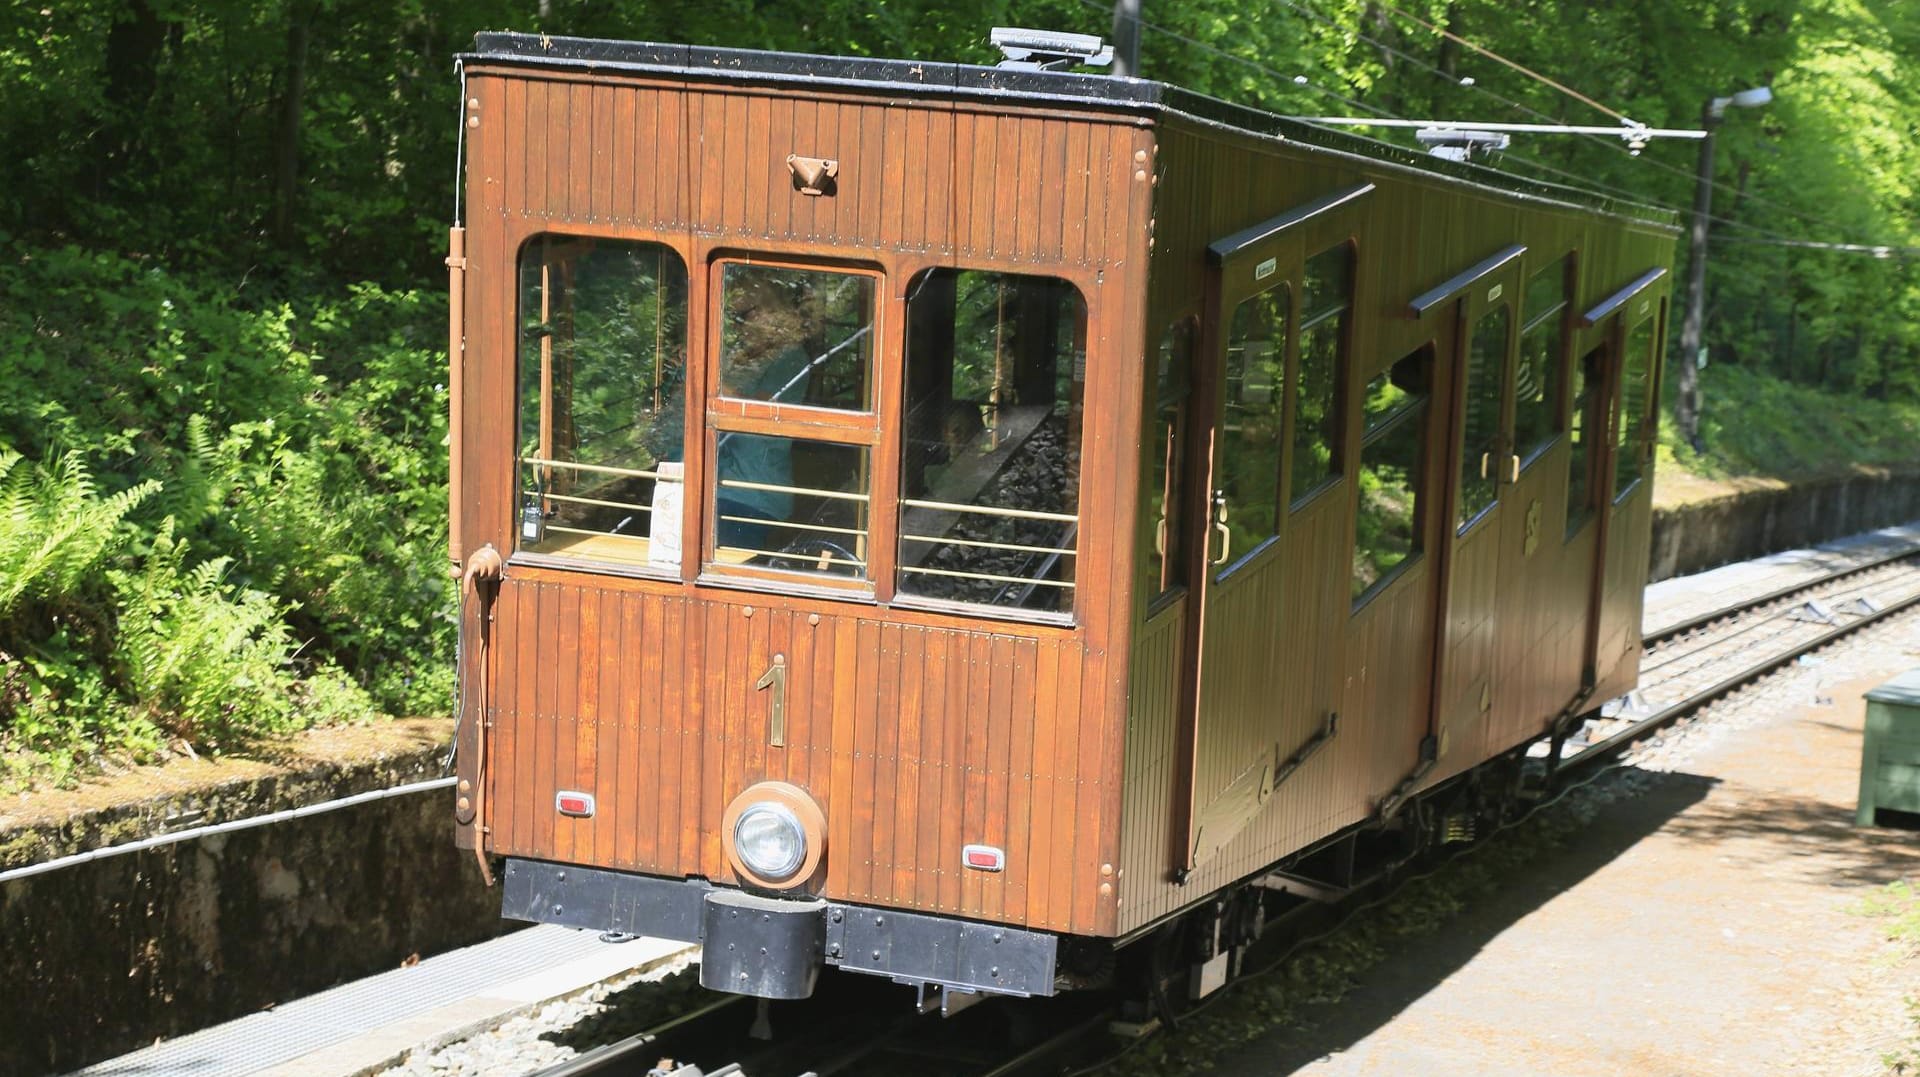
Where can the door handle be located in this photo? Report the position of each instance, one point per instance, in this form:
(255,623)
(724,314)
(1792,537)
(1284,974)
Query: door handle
(1513,468)
(1486,465)
(1220,526)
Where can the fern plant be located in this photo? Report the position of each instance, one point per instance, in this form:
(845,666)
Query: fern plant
(55,531)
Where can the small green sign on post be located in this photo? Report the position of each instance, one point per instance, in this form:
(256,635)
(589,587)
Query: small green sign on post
(1890,753)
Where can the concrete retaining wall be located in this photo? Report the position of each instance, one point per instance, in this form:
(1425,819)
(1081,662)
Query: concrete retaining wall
(1692,538)
(106,956)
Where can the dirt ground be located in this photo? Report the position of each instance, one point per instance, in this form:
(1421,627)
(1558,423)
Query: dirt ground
(1711,920)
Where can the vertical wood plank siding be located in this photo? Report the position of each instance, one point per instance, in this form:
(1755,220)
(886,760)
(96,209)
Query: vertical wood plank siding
(920,732)
(916,732)
(1289,645)
(909,755)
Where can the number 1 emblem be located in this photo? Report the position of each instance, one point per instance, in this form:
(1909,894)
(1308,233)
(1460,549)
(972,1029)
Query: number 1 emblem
(775,678)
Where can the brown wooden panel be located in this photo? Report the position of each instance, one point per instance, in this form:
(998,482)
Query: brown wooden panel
(538,131)
(1370,664)
(926,738)
(1067,824)
(504,118)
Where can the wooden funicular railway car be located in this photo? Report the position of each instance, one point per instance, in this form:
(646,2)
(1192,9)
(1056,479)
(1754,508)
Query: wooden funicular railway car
(945,521)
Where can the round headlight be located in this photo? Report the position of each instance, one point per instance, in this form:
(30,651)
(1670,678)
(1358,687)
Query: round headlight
(769,840)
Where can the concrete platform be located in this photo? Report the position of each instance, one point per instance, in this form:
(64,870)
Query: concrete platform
(1671,602)
(359,1027)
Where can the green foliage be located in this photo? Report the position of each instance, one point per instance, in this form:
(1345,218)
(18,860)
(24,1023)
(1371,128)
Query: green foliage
(108,650)
(1757,424)
(288,459)
(210,663)
(54,530)
(221,302)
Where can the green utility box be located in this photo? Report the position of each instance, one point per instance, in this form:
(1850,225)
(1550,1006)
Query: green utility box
(1890,756)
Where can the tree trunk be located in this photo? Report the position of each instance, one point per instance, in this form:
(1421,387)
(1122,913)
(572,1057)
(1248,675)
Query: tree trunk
(286,141)
(1449,59)
(134,45)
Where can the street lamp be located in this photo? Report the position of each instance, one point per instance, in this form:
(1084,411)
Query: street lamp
(1687,409)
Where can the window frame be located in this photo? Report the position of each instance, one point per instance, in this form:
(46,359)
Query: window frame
(1282,467)
(1414,411)
(897,441)
(721,414)
(707,412)
(1297,501)
(1560,364)
(1168,553)
(1620,439)
(1498,369)
(1594,382)
(670,243)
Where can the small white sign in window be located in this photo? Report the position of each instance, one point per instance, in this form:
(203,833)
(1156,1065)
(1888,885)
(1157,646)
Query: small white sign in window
(663,531)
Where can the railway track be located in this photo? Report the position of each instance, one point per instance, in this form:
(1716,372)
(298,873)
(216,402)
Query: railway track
(1685,667)
(1691,664)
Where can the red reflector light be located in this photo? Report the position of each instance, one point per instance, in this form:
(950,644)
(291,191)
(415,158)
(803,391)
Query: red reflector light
(983,858)
(579,805)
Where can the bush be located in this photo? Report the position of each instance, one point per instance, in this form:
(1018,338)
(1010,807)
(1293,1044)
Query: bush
(238,522)
(1752,423)
(108,651)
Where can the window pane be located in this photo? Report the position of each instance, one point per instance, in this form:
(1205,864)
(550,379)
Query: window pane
(1386,515)
(1588,424)
(1537,386)
(1165,496)
(1629,463)
(602,361)
(1546,291)
(1246,459)
(792,504)
(1481,435)
(990,480)
(1316,417)
(796,336)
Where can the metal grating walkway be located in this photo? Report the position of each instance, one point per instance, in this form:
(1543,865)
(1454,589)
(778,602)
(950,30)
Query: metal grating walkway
(350,1028)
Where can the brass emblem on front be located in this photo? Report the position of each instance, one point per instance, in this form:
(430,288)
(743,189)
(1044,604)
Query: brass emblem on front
(1533,527)
(775,678)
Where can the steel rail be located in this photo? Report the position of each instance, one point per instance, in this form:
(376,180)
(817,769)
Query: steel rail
(655,1041)
(1665,716)
(191,833)
(1667,632)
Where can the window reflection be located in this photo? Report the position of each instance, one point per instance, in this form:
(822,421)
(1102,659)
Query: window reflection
(1636,389)
(1587,426)
(1480,451)
(1386,514)
(1168,454)
(602,362)
(796,336)
(792,504)
(1246,458)
(990,474)
(1536,389)
(1326,299)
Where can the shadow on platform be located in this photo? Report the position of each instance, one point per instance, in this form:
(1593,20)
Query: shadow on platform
(1423,963)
